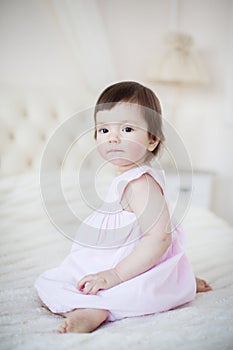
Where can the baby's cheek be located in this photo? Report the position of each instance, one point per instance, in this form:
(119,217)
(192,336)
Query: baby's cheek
(137,151)
(101,149)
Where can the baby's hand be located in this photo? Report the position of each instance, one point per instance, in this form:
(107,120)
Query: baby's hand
(101,280)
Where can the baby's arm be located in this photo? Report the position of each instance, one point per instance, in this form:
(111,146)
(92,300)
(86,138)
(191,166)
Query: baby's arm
(146,200)
(144,197)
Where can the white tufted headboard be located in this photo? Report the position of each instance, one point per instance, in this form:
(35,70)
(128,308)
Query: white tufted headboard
(28,118)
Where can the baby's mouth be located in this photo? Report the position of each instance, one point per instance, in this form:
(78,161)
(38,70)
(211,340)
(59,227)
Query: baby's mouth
(114,150)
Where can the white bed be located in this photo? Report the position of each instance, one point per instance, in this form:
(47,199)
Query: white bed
(30,244)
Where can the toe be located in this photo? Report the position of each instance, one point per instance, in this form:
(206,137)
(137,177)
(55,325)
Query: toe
(202,285)
(207,287)
(63,328)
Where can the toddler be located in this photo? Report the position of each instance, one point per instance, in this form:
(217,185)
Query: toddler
(135,264)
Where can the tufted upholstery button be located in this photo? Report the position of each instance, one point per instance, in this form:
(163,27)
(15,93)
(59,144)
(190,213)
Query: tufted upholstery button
(54,115)
(29,162)
(42,136)
(11,135)
(24,113)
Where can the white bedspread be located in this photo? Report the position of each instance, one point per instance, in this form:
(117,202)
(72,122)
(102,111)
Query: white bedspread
(30,244)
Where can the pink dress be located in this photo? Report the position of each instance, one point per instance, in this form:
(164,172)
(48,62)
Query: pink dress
(110,234)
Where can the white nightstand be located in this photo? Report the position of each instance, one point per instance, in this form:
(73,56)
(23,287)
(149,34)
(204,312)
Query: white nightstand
(193,188)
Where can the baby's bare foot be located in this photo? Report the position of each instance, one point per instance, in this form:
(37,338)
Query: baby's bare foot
(63,327)
(202,285)
(82,320)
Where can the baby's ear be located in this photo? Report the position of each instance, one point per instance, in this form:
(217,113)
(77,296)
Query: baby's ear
(153,143)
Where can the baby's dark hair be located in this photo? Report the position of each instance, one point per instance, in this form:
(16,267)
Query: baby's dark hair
(133,92)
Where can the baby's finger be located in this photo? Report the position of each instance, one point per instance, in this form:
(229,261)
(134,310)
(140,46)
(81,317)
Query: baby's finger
(81,284)
(88,287)
(98,286)
(83,281)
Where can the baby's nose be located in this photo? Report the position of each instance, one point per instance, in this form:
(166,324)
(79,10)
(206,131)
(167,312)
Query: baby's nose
(114,137)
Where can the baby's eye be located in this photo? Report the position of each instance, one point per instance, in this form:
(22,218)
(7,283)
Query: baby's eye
(103,131)
(127,129)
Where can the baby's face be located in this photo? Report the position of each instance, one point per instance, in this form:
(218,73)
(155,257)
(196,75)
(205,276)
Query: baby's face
(122,136)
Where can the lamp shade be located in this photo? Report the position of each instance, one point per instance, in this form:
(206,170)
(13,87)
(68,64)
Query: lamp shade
(180,64)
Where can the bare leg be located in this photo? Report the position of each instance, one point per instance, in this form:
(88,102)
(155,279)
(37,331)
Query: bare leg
(82,320)
(202,285)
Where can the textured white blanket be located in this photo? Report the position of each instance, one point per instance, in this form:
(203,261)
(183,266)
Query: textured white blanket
(30,244)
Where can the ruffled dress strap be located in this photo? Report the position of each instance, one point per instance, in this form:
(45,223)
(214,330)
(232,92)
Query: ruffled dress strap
(120,182)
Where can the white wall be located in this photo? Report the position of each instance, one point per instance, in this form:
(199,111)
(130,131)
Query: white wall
(35,51)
